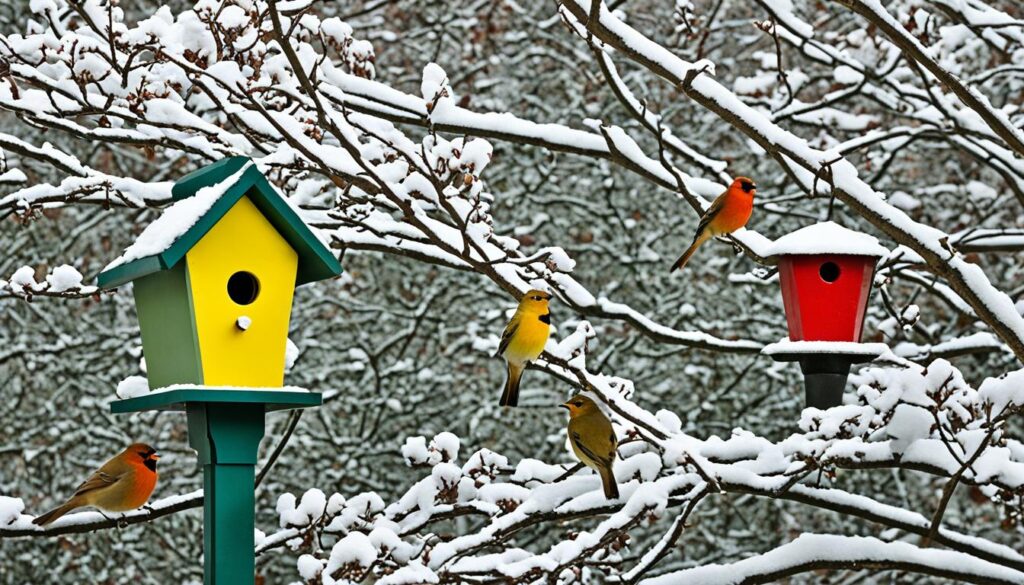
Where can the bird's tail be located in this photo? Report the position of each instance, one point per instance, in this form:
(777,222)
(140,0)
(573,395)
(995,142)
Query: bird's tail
(681,262)
(611,489)
(510,396)
(55,513)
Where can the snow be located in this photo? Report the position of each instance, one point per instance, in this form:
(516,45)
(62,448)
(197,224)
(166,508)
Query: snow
(847,75)
(11,176)
(132,386)
(785,346)
(10,509)
(485,462)
(291,354)
(810,548)
(1004,391)
(827,238)
(309,567)
(445,475)
(313,504)
(24,277)
(447,444)
(287,513)
(475,155)
(434,82)
(64,278)
(909,423)
(411,574)
(414,451)
(42,6)
(354,548)
(161,234)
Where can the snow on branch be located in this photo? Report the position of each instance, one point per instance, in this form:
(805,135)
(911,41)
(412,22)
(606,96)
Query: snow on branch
(62,281)
(813,552)
(873,11)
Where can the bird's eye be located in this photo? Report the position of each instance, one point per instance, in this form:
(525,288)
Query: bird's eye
(577,403)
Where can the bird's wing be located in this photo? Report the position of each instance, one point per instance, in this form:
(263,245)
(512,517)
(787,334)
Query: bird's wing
(710,214)
(506,336)
(603,460)
(98,480)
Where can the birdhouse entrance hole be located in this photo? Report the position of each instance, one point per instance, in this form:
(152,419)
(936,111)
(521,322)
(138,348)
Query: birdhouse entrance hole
(829,272)
(243,287)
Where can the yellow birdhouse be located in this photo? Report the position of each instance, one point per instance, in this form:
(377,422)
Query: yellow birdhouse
(214,277)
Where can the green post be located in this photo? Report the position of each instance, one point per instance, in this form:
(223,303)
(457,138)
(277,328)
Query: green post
(227,437)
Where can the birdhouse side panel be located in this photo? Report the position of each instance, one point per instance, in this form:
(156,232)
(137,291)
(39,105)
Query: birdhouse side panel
(825,296)
(243,278)
(169,341)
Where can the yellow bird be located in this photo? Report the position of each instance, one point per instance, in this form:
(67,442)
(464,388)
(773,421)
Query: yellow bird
(593,440)
(523,340)
(123,483)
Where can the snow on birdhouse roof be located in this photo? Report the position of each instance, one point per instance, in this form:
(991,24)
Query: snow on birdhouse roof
(202,198)
(175,221)
(827,238)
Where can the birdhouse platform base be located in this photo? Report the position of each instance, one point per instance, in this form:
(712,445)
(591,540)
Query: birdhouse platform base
(179,397)
(825,365)
(225,427)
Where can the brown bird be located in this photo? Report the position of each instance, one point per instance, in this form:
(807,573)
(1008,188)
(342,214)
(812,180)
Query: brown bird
(123,483)
(593,440)
(728,212)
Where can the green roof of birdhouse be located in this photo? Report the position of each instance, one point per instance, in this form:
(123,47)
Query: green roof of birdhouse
(202,198)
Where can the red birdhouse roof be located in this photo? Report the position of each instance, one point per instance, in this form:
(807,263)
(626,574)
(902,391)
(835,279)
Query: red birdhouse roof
(827,238)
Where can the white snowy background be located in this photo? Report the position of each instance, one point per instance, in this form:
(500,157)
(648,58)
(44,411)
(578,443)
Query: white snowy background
(454,153)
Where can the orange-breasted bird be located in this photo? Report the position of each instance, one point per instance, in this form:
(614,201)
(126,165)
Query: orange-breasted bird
(123,483)
(593,440)
(728,213)
(523,340)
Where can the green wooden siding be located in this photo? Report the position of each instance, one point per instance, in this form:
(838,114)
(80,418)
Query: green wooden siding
(167,321)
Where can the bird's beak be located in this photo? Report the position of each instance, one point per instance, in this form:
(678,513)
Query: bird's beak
(565,406)
(154,457)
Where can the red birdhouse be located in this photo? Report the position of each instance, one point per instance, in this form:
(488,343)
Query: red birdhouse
(826,295)
(826,272)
